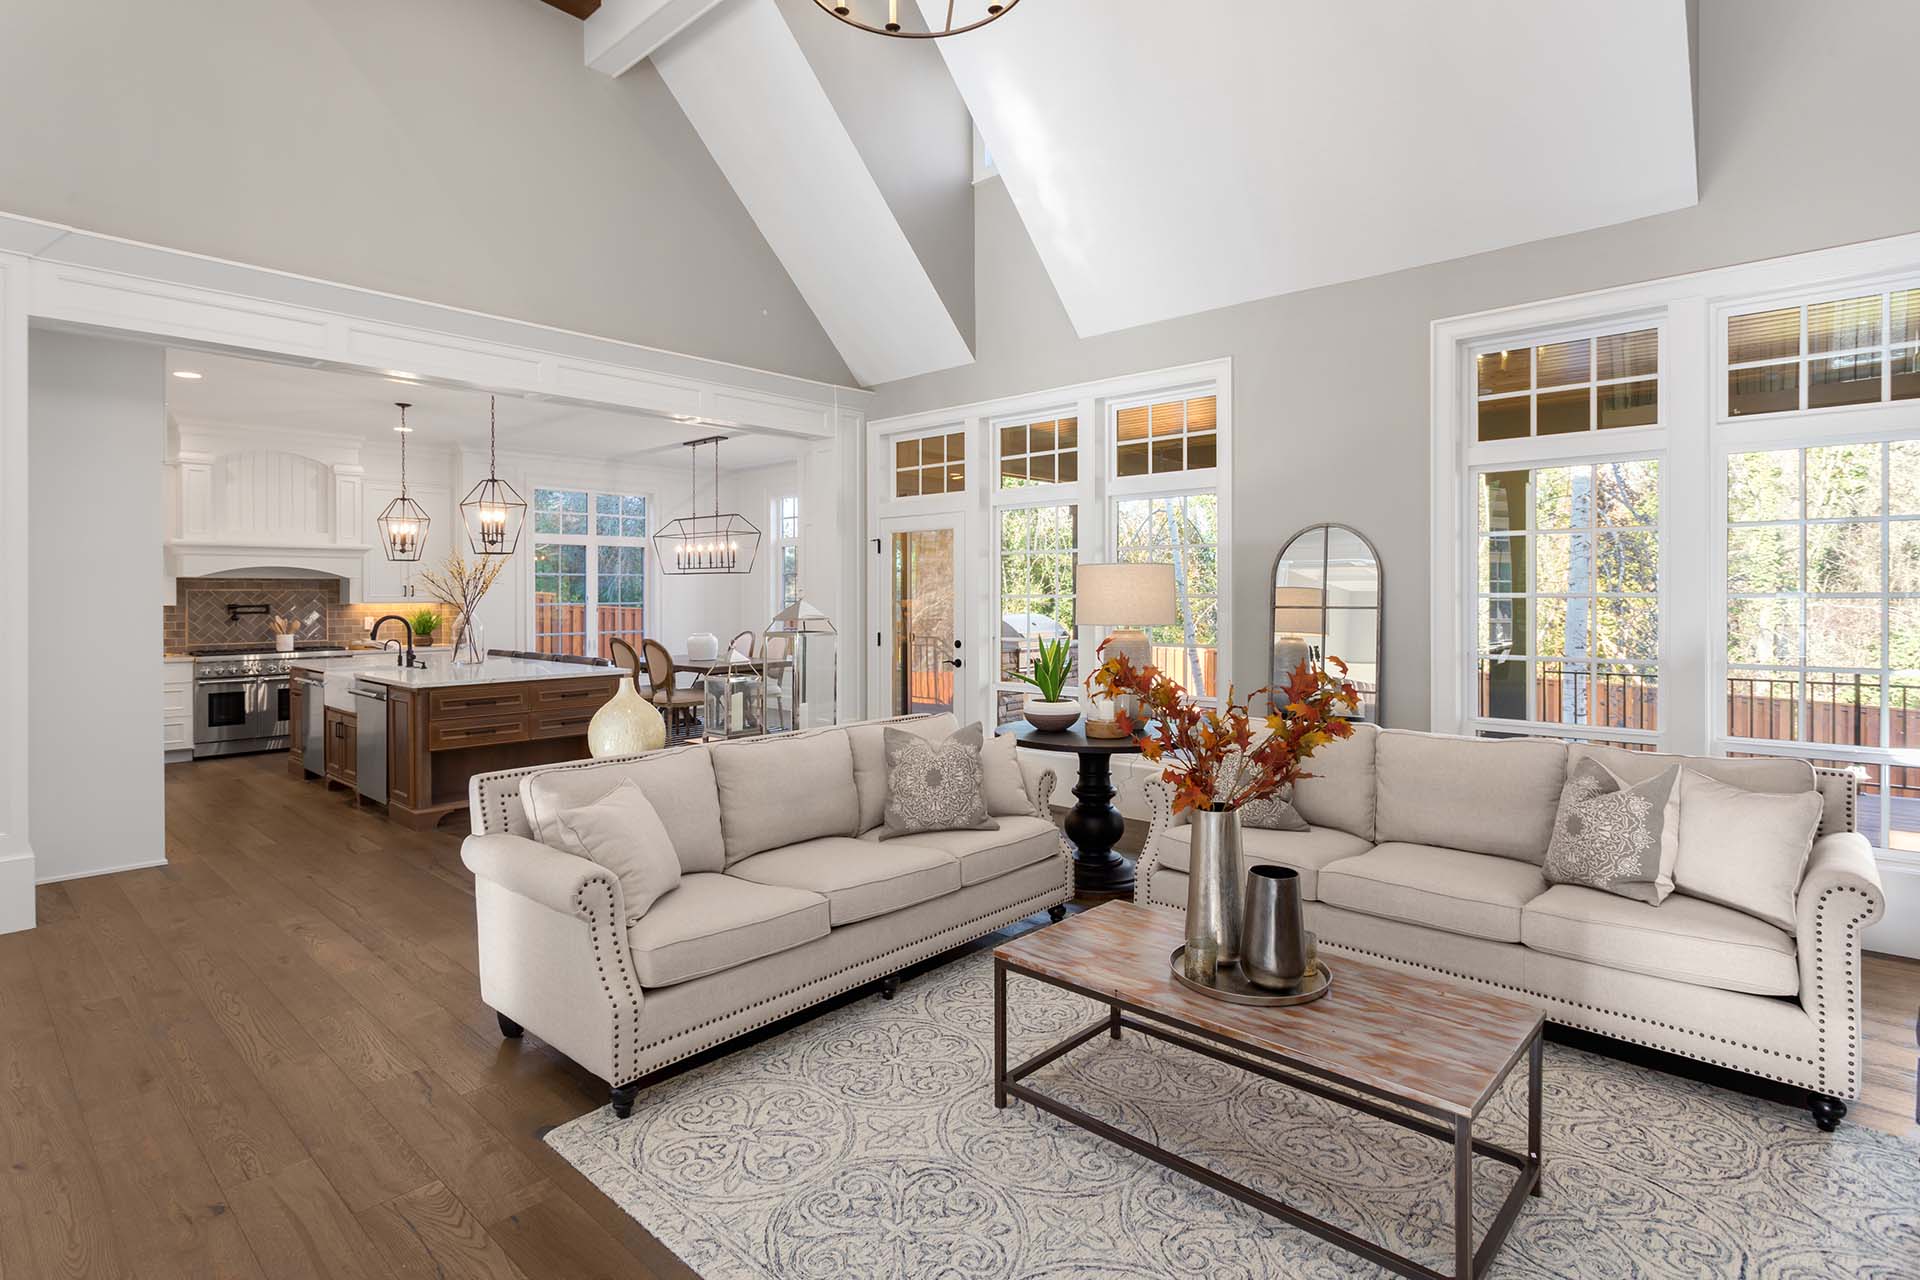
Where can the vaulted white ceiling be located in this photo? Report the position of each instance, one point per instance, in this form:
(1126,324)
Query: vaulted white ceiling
(1173,158)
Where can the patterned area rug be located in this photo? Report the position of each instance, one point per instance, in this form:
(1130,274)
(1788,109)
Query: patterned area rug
(865,1144)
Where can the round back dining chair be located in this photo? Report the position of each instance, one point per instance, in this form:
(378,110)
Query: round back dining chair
(625,655)
(742,644)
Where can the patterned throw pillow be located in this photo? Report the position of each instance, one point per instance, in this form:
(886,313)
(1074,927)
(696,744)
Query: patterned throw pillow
(1614,837)
(1273,813)
(935,786)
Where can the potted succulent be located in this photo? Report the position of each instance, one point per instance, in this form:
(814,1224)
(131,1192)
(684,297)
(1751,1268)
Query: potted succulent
(424,623)
(1051,668)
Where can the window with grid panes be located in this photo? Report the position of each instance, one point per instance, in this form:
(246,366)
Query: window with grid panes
(1559,388)
(1182,530)
(589,570)
(786,551)
(1568,594)
(1165,437)
(1036,453)
(1039,548)
(1822,355)
(930,465)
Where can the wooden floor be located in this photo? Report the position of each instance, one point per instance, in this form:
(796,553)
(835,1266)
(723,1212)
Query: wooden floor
(270,1058)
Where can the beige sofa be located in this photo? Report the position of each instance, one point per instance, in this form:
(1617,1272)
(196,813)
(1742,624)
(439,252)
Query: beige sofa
(786,897)
(1425,853)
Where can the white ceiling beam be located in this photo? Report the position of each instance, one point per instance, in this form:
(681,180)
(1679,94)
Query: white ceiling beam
(621,33)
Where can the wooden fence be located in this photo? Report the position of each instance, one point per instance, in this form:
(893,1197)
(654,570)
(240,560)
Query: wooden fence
(562,628)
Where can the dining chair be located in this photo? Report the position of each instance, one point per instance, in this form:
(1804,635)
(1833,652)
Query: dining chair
(742,644)
(625,655)
(676,703)
(772,667)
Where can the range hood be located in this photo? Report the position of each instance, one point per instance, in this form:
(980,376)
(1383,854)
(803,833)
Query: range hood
(210,558)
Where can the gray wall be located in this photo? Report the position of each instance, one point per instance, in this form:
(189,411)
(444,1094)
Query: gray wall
(98,429)
(457,151)
(1798,151)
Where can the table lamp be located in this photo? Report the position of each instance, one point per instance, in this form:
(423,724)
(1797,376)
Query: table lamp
(1126,597)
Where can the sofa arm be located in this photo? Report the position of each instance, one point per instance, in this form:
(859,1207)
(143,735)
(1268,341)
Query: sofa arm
(1161,819)
(1839,897)
(553,950)
(1041,779)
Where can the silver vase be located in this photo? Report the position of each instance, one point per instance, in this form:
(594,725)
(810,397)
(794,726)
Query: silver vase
(1273,941)
(1213,893)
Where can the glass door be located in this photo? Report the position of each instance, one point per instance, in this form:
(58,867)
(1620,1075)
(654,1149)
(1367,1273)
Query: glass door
(922,625)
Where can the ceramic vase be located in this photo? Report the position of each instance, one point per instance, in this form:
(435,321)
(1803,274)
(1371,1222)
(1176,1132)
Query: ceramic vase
(1273,938)
(626,725)
(1213,893)
(284,643)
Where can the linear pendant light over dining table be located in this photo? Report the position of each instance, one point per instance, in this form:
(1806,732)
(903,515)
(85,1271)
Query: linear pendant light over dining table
(723,542)
(492,511)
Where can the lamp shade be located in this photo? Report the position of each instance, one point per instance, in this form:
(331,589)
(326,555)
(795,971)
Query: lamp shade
(1296,611)
(1125,595)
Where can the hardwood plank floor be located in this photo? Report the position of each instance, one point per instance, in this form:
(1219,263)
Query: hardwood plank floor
(270,1058)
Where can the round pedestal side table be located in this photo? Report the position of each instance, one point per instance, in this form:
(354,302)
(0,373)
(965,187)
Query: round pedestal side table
(1093,824)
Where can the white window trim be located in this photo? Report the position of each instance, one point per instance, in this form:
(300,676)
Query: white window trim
(649,584)
(780,543)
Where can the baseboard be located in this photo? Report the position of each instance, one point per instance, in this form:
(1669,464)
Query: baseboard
(102,871)
(16,891)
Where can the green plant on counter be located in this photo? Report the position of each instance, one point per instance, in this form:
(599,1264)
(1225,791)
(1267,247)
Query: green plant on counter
(425,622)
(1050,668)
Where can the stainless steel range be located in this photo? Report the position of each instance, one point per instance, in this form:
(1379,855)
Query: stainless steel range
(240,700)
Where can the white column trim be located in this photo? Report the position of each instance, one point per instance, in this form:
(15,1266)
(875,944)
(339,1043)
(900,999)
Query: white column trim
(16,850)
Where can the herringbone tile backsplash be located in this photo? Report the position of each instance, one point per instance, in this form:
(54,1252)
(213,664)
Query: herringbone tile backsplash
(198,615)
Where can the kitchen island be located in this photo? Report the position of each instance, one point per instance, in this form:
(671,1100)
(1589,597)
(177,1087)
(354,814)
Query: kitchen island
(419,733)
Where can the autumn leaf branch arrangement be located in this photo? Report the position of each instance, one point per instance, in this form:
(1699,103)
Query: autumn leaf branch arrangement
(1210,755)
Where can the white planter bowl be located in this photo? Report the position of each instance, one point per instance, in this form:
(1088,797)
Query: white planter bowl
(1042,714)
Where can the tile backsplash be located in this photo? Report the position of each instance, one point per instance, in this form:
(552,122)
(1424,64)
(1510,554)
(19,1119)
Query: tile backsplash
(198,615)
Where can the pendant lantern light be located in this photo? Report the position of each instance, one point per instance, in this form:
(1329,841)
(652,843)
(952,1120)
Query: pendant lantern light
(962,15)
(492,511)
(722,542)
(403,525)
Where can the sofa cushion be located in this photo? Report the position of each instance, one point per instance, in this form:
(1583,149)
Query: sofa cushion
(784,788)
(869,744)
(1617,837)
(1305,851)
(1744,849)
(983,855)
(622,832)
(858,878)
(1477,894)
(1340,792)
(1484,795)
(935,784)
(710,922)
(678,783)
(1005,785)
(1686,939)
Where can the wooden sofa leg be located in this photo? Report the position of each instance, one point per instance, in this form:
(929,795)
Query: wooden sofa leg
(509,1028)
(1827,1112)
(1057,912)
(622,1099)
(890,986)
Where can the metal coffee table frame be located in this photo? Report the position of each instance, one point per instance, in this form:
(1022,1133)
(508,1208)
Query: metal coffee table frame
(1444,1126)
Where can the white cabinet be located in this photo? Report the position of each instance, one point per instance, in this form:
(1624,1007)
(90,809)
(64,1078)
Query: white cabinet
(387,581)
(176,711)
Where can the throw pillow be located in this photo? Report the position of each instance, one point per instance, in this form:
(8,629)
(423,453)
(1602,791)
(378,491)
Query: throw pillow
(1271,813)
(935,785)
(1610,836)
(1005,785)
(623,833)
(1745,849)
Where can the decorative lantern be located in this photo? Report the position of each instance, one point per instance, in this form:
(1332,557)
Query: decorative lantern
(735,702)
(800,669)
(403,524)
(492,510)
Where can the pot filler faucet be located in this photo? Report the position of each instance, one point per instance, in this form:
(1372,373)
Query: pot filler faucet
(407,658)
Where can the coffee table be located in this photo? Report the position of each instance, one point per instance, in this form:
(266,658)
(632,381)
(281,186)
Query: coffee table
(1382,1042)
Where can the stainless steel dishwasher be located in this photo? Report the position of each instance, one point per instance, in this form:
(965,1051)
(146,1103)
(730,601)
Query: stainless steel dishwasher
(370,739)
(313,725)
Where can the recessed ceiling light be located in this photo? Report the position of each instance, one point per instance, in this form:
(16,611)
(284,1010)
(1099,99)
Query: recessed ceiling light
(188,374)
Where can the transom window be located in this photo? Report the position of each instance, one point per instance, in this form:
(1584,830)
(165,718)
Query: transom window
(1561,388)
(1034,453)
(1821,355)
(925,465)
(1166,436)
(1568,587)
(589,570)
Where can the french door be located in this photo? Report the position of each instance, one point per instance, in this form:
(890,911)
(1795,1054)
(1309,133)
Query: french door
(922,621)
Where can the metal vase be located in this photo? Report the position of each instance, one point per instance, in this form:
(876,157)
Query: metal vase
(1273,943)
(1213,893)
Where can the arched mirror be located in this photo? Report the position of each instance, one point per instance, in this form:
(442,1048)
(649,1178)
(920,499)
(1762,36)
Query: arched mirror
(1327,598)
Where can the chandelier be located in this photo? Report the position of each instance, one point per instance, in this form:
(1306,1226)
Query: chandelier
(403,524)
(970,16)
(723,542)
(492,511)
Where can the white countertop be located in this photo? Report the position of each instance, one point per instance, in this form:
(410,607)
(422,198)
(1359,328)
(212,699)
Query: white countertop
(441,672)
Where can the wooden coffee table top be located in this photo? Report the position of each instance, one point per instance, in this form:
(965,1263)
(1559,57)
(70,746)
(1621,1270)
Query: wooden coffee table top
(1430,1042)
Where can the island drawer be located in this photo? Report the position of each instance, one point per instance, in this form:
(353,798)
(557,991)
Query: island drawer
(564,694)
(562,724)
(491,700)
(475,731)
